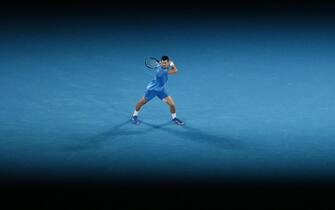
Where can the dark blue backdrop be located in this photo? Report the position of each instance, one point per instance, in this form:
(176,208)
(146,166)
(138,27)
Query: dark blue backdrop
(256,93)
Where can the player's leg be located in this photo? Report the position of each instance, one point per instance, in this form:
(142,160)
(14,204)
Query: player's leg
(169,101)
(172,106)
(138,106)
(140,103)
(147,97)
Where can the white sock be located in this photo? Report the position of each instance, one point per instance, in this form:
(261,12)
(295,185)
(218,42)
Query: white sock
(136,113)
(174,115)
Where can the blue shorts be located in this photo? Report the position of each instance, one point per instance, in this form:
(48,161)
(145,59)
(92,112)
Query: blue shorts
(150,94)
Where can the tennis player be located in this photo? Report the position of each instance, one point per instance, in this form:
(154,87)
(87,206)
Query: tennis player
(157,88)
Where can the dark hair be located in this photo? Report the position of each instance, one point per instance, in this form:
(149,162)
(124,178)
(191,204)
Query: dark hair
(164,58)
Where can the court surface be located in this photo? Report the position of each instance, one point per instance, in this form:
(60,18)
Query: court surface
(257,97)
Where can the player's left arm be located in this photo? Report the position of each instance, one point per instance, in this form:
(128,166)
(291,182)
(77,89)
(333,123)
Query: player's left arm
(173,69)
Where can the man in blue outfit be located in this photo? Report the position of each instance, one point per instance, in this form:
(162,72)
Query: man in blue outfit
(157,88)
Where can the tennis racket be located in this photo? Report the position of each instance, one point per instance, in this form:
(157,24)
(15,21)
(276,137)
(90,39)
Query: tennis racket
(152,63)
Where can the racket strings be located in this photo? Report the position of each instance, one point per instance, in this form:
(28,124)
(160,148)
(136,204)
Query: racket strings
(152,63)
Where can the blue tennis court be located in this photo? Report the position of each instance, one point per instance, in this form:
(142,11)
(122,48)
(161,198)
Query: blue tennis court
(257,97)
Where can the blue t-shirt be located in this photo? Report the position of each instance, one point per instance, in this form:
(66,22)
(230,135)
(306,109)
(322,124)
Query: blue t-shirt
(161,78)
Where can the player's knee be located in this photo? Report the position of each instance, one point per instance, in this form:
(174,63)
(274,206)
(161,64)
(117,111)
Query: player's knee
(172,105)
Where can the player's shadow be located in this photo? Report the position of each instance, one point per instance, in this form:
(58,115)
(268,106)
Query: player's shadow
(83,142)
(196,135)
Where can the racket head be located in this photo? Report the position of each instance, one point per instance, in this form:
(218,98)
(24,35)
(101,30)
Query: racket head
(152,62)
